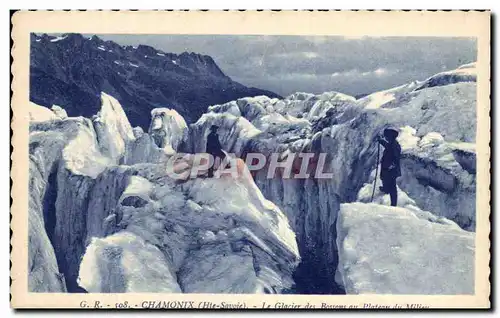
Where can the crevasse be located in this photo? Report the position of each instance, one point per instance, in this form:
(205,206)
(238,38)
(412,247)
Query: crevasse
(105,217)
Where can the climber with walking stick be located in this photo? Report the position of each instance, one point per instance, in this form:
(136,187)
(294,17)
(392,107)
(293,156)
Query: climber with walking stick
(390,168)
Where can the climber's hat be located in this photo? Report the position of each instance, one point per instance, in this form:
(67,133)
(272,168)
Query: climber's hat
(214,128)
(391,132)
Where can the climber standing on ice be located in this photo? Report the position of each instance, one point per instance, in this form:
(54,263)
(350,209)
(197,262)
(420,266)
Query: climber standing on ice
(390,165)
(214,148)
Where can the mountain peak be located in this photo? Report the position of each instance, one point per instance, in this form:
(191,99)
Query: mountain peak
(71,70)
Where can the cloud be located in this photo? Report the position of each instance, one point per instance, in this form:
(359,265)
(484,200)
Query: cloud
(380,72)
(351,64)
(310,55)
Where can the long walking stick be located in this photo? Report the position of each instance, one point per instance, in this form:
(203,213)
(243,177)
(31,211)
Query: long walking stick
(376,171)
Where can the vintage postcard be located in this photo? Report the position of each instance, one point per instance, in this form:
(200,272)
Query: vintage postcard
(251,160)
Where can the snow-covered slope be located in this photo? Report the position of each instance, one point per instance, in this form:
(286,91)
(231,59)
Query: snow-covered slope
(250,125)
(103,226)
(380,98)
(349,135)
(49,183)
(464,73)
(112,127)
(39,113)
(439,176)
(234,132)
(43,271)
(393,250)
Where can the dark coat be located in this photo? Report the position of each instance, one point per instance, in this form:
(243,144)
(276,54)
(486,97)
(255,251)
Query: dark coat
(213,145)
(390,164)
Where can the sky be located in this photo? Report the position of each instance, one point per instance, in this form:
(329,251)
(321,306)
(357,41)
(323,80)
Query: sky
(315,64)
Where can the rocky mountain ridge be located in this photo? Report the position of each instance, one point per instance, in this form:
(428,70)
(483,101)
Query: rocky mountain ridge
(253,234)
(71,71)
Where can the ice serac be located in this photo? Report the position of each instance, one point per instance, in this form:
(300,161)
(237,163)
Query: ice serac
(394,250)
(191,238)
(112,127)
(464,73)
(144,149)
(60,181)
(43,271)
(223,235)
(267,126)
(98,225)
(59,111)
(95,146)
(70,153)
(234,132)
(39,113)
(438,176)
(168,129)
(124,262)
(166,136)
(438,165)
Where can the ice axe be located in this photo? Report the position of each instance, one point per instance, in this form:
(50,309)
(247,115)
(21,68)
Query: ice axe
(376,169)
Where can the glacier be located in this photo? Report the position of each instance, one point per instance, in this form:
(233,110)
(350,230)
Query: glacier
(438,172)
(105,216)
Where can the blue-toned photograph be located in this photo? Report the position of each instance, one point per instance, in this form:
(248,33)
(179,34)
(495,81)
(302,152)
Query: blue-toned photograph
(252,164)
